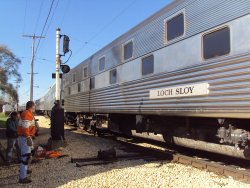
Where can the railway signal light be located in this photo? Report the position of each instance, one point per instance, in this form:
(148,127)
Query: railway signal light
(65,44)
(65,68)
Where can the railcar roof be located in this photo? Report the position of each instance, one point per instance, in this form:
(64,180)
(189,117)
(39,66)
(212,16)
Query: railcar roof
(165,9)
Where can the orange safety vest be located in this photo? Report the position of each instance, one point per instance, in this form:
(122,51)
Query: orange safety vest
(26,125)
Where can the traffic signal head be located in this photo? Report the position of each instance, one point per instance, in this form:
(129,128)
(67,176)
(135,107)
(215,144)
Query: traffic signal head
(65,68)
(65,44)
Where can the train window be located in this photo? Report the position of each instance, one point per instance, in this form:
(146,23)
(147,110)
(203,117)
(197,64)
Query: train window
(128,50)
(175,27)
(69,90)
(148,65)
(79,87)
(216,43)
(92,83)
(85,72)
(112,76)
(74,78)
(101,63)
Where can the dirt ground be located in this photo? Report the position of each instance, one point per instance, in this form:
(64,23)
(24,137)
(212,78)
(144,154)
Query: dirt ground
(136,173)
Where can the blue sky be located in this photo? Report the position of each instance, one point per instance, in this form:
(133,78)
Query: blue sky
(90,24)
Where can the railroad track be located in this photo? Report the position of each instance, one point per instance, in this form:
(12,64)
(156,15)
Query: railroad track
(218,164)
(222,165)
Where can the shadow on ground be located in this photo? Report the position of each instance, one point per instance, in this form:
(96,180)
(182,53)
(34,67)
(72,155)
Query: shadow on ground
(58,172)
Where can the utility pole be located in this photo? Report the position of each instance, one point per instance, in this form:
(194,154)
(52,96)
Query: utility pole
(34,37)
(57,112)
(58,62)
(17,86)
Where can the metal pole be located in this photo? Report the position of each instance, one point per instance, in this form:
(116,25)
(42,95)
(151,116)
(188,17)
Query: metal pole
(32,69)
(17,86)
(57,94)
(34,37)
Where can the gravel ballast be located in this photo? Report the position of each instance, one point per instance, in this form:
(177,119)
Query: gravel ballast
(134,173)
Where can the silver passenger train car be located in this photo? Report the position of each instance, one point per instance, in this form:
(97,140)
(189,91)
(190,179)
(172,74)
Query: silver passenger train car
(183,73)
(46,102)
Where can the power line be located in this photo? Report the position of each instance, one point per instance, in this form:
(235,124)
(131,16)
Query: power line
(38,58)
(65,12)
(24,25)
(25,12)
(45,25)
(39,15)
(84,42)
(52,17)
(104,27)
(24,93)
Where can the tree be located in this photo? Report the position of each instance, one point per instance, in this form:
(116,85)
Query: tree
(9,64)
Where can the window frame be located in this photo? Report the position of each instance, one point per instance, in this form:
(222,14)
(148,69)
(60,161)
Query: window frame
(104,63)
(123,47)
(69,90)
(142,64)
(166,41)
(110,76)
(212,31)
(91,78)
(79,84)
(85,67)
(74,75)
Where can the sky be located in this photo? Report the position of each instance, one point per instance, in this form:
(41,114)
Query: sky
(90,24)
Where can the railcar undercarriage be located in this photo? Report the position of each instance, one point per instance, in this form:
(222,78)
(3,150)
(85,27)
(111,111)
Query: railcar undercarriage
(225,136)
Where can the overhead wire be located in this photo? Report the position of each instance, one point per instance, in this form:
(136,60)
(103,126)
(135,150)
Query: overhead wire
(24,25)
(39,15)
(104,28)
(51,5)
(52,17)
(23,31)
(25,12)
(65,12)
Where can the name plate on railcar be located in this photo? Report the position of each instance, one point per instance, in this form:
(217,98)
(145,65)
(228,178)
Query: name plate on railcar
(180,91)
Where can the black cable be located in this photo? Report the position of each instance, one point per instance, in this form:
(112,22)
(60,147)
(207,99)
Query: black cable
(68,58)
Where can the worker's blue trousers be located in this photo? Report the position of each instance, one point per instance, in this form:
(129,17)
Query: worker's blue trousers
(25,156)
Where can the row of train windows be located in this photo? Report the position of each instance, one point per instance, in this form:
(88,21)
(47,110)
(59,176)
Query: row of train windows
(85,74)
(147,68)
(215,44)
(174,29)
(127,54)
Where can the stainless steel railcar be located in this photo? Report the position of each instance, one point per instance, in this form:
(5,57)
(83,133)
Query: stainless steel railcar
(46,102)
(182,73)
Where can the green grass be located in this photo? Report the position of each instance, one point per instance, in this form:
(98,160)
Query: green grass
(3,119)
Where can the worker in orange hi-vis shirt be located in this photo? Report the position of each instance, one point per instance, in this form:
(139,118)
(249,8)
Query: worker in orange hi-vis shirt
(26,130)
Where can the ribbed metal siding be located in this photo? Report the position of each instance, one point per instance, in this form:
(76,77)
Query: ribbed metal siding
(132,97)
(200,15)
(203,14)
(229,92)
(77,103)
